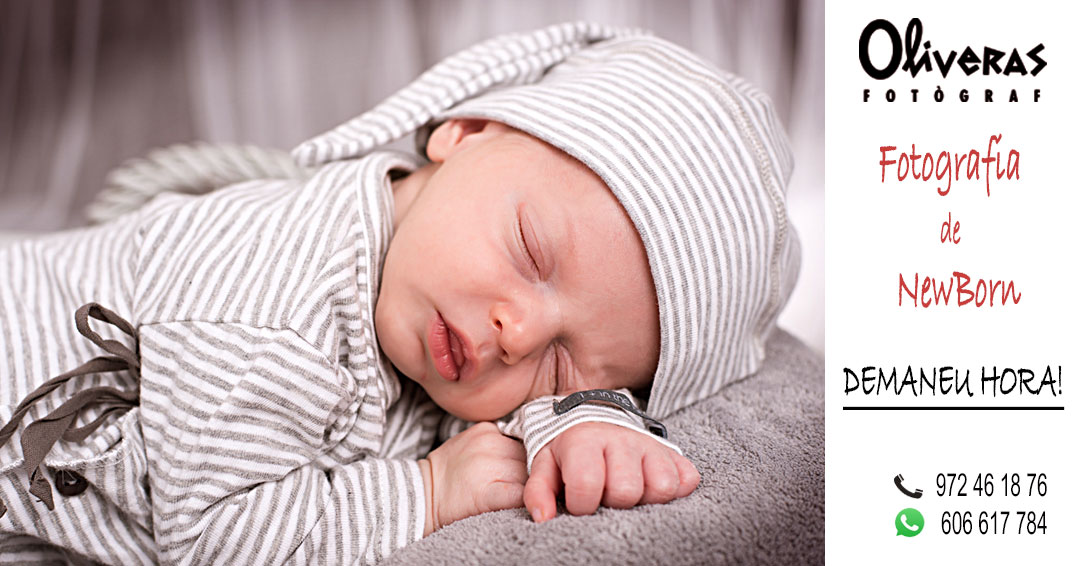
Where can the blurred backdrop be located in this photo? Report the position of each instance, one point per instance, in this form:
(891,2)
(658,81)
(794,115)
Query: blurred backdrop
(86,84)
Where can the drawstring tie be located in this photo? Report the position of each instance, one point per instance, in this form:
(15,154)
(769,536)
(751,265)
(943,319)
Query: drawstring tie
(39,436)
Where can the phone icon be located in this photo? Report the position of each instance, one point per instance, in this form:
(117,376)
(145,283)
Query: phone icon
(909,522)
(898,480)
(904,521)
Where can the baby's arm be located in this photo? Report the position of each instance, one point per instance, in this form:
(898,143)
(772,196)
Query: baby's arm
(239,424)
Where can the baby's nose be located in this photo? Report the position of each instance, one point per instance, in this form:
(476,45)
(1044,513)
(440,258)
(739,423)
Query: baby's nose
(521,330)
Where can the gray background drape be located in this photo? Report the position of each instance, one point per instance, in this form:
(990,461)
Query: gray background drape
(85,84)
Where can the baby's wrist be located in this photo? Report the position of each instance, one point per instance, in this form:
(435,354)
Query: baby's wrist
(429,507)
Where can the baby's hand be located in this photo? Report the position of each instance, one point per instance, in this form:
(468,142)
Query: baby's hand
(609,464)
(474,472)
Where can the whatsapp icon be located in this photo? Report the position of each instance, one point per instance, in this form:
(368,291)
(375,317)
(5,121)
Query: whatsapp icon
(909,522)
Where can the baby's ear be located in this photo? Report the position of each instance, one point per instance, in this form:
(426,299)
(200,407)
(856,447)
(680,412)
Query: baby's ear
(458,133)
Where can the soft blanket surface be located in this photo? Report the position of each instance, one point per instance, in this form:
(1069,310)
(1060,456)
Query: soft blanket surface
(760,447)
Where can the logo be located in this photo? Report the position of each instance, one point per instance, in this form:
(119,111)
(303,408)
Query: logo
(909,523)
(899,481)
(912,55)
(970,60)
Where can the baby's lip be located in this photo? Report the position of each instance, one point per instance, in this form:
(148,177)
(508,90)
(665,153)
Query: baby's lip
(461,348)
(438,342)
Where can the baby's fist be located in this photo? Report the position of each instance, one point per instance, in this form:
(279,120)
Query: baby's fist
(600,463)
(474,472)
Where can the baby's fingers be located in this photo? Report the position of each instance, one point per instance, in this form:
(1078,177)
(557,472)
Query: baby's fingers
(583,473)
(543,485)
(624,485)
(661,477)
(501,495)
(689,477)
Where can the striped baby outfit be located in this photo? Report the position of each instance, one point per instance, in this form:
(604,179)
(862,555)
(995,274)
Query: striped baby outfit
(268,426)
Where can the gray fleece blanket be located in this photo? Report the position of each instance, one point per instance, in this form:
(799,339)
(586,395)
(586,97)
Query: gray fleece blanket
(760,447)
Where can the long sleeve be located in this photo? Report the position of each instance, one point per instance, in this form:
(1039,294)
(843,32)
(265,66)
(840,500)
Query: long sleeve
(536,423)
(450,426)
(264,401)
(235,420)
(412,424)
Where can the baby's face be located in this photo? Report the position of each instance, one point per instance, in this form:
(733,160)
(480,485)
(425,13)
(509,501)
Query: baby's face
(514,273)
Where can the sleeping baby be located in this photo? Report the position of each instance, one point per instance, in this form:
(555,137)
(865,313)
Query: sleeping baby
(595,238)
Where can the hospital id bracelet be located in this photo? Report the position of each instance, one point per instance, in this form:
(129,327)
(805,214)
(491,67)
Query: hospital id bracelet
(608,396)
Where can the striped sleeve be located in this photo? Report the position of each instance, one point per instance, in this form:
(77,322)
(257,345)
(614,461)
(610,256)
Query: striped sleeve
(412,424)
(536,423)
(450,426)
(235,418)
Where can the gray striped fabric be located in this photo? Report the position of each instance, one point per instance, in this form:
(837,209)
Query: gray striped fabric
(695,155)
(270,429)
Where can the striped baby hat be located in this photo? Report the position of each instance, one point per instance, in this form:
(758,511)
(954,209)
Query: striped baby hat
(696,156)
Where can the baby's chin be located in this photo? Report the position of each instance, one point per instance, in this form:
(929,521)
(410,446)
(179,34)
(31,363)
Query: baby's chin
(464,410)
(464,413)
(455,404)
